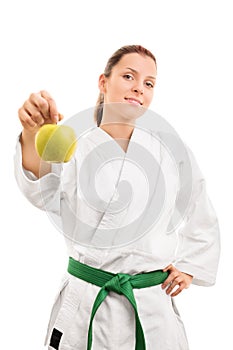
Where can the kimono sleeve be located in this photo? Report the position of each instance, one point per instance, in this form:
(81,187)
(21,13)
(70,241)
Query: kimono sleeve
(199,237)
(44,193)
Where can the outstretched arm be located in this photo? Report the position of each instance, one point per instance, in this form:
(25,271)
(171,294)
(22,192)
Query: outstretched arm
(38,109)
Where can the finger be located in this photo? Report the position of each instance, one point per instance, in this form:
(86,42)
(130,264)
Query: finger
(168,281)
(60,117)
(177,291)
(33,112)
(179,281)
(38,118)
(168,268)
(172,276)
(173,280)
(26,119)
(40,104)
(53,112)
(171,287)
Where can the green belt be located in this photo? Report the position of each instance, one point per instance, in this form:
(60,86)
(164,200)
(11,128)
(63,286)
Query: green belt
(120,283)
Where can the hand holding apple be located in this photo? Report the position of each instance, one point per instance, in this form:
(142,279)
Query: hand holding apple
(39,109)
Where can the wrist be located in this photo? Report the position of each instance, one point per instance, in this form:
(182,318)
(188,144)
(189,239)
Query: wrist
(28,135)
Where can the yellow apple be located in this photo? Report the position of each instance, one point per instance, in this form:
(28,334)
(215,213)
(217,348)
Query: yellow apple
(56,143)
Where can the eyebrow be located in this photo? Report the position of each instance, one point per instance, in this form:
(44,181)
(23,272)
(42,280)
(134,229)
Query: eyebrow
(133,70)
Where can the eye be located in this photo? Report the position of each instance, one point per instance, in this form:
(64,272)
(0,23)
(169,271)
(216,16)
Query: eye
(128,76)
(149,84)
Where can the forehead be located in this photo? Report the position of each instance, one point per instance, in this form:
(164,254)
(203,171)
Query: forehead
(141,63)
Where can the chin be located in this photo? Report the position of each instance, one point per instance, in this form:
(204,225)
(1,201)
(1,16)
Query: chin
(125,111)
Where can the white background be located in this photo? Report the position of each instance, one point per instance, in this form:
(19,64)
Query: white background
(63,46)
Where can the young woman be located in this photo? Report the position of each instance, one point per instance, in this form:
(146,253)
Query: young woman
(123,272)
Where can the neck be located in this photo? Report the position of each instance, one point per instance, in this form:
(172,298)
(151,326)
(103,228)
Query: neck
(115,123)
(118,130)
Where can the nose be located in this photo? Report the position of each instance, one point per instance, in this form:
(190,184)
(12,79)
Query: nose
(138,89)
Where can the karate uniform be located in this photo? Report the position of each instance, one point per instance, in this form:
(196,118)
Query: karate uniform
(110,229)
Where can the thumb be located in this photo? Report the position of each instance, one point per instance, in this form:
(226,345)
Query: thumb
(169,267)
(60,117)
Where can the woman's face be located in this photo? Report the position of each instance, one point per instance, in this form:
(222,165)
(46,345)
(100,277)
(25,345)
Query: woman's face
(131,81)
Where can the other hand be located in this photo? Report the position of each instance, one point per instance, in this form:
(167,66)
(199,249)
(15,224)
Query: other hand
(176,278)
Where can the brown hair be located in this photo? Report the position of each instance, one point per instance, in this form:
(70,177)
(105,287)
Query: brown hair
(113,60)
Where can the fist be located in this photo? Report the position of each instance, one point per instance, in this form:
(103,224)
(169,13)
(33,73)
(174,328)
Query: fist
(39,109)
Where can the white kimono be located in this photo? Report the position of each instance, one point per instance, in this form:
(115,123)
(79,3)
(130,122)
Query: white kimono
(121,213)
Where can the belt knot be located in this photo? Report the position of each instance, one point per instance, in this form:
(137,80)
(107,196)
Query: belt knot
(117,283)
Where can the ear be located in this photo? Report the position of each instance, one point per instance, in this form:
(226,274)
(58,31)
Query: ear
(102,82)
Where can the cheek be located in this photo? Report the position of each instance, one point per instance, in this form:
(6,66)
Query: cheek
(115,92)
(149,98)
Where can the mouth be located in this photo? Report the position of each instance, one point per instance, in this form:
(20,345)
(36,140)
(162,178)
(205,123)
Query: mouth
(133,101)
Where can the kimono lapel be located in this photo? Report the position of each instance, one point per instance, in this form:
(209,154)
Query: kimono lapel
(125,210)
(110,138)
